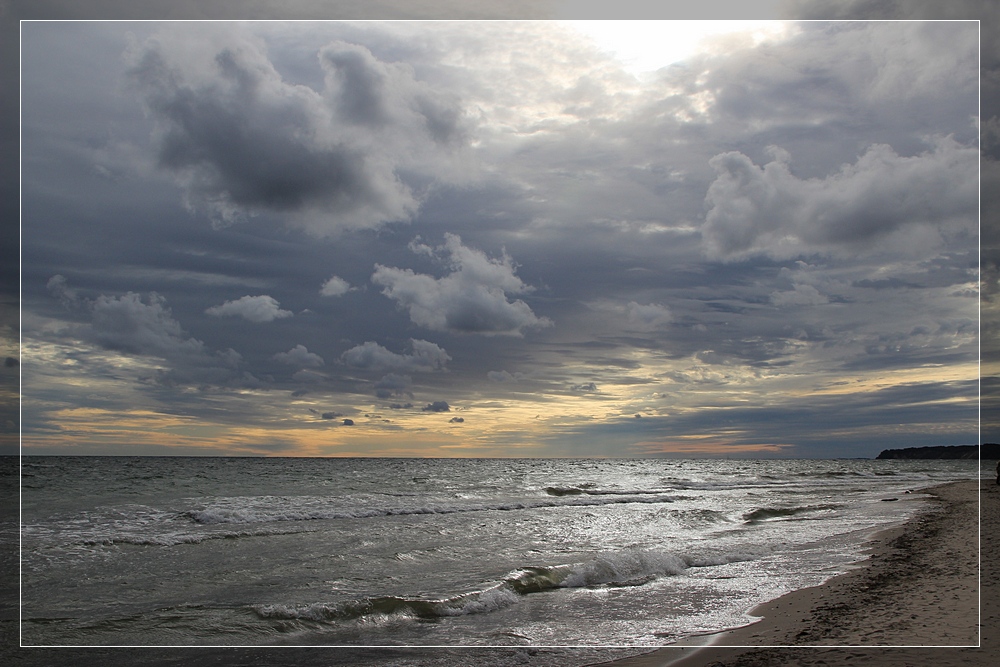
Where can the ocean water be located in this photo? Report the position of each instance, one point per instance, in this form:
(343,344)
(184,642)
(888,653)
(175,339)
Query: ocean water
(429,552)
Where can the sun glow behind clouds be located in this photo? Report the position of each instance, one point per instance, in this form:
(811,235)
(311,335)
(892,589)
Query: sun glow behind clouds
(645,46)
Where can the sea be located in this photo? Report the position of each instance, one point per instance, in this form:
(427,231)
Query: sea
(374,552)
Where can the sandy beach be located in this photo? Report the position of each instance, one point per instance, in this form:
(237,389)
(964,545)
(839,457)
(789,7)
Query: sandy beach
(919,588)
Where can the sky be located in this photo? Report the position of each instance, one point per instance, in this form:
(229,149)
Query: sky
(497,238)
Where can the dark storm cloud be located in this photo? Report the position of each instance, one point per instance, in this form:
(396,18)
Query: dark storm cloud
(239,145)
(242,140)
(470,299)
(437,406)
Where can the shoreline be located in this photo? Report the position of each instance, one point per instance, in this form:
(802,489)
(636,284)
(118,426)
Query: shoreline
(927,535)
(915,598)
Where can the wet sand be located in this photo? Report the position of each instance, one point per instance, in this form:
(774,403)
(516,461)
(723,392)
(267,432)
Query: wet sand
(918,593)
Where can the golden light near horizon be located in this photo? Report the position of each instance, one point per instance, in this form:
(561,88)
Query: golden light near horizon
(646,46)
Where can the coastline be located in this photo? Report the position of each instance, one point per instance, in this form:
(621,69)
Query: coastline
(915,600)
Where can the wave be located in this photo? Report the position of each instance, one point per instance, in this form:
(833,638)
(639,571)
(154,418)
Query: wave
(586,487)
(831,473)
(698,517)
(173,539)
(840,474)
(631,567)
(760,482)
(264,510)
(775,513)
(492,599)
(588,490)
(564,490)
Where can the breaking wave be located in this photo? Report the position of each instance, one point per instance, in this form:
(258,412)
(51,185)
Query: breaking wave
(777,513)
(624,568)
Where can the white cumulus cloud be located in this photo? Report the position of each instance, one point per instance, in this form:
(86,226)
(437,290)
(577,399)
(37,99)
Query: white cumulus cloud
(261,308)
(799,295)
(503,376)
(335,286)
(471,299)
(768,210)
(648,315)
(300,356)
(425,356)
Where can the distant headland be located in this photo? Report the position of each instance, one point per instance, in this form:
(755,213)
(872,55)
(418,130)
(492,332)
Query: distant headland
(989,451)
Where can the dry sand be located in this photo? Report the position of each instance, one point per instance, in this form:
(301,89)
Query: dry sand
(920,588)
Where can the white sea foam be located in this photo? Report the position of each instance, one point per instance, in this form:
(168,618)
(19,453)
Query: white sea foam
(489,600)
(629,567)
(624,567)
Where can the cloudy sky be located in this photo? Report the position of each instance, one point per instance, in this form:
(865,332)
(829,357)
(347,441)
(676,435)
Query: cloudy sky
(499,238)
